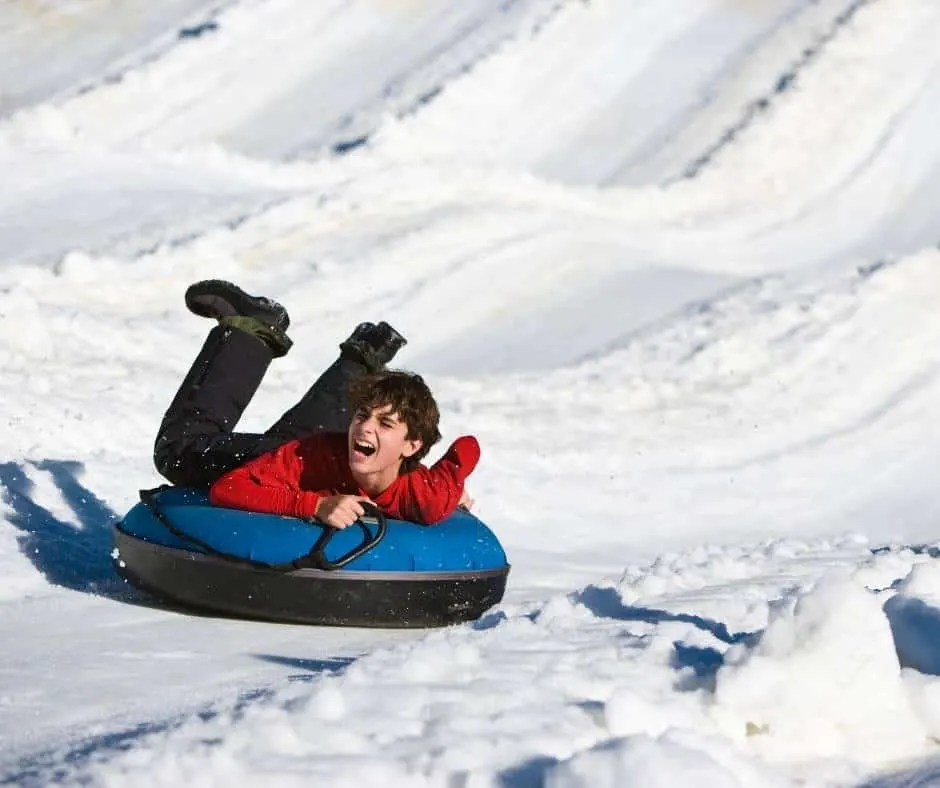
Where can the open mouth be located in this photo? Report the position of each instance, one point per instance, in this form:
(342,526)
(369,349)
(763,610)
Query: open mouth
(364,447)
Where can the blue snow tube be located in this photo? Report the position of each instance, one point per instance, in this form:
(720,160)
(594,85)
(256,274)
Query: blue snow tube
(384,573)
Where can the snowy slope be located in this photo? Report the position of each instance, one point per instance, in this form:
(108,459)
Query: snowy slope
(57,49)
(676,269)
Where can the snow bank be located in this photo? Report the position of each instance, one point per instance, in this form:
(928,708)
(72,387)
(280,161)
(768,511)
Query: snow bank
(673,759)
(823,682)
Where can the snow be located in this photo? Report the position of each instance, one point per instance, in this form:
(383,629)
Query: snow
(676,268)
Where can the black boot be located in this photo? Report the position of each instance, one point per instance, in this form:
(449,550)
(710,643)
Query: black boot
(196,443)
(234,308)
(374,346)
(218,299)
(325,407)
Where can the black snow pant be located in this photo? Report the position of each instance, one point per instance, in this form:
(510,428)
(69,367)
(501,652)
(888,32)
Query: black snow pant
(196,442)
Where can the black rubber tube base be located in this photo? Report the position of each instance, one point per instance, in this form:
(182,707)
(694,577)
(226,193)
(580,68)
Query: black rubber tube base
(393,600)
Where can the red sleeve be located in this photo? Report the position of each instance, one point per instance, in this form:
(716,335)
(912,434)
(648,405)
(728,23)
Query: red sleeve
(272,482)
(429,495)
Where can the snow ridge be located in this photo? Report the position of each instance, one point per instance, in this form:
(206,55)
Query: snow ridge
(784,83)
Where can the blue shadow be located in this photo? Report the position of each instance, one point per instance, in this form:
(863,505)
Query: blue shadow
(75,557)
(704,662)
(56,767)
(313,668)
(198,31)
(922,776)
(606,603)
(489,621)
(528,774)
(915,627)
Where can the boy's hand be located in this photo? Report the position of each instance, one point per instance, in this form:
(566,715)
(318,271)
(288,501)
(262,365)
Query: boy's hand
(338,511)
(466,501)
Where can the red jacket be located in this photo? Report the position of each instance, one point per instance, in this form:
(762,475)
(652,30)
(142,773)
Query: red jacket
(291,480)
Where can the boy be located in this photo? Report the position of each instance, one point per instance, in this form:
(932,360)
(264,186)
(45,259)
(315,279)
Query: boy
(304,465)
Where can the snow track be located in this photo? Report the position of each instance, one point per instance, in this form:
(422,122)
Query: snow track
(339,67)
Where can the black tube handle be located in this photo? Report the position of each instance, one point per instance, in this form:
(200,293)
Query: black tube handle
(317,556)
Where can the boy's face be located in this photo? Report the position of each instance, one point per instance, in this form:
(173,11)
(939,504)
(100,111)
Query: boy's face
(378,442)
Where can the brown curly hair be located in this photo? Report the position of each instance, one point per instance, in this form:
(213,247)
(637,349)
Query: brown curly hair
(409,396)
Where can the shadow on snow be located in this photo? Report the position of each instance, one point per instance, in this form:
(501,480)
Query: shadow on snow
(60,765)
(313,668)
(927,774)
(75,556)
(50,768)
(915,627)
(529,774)
(703,661)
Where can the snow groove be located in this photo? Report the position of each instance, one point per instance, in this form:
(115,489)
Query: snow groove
(785,82)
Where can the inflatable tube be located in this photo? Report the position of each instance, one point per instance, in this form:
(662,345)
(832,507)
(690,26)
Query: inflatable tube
(177,546)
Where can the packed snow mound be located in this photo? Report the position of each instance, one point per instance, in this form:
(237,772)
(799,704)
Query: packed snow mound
(663,762)
(797,690)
